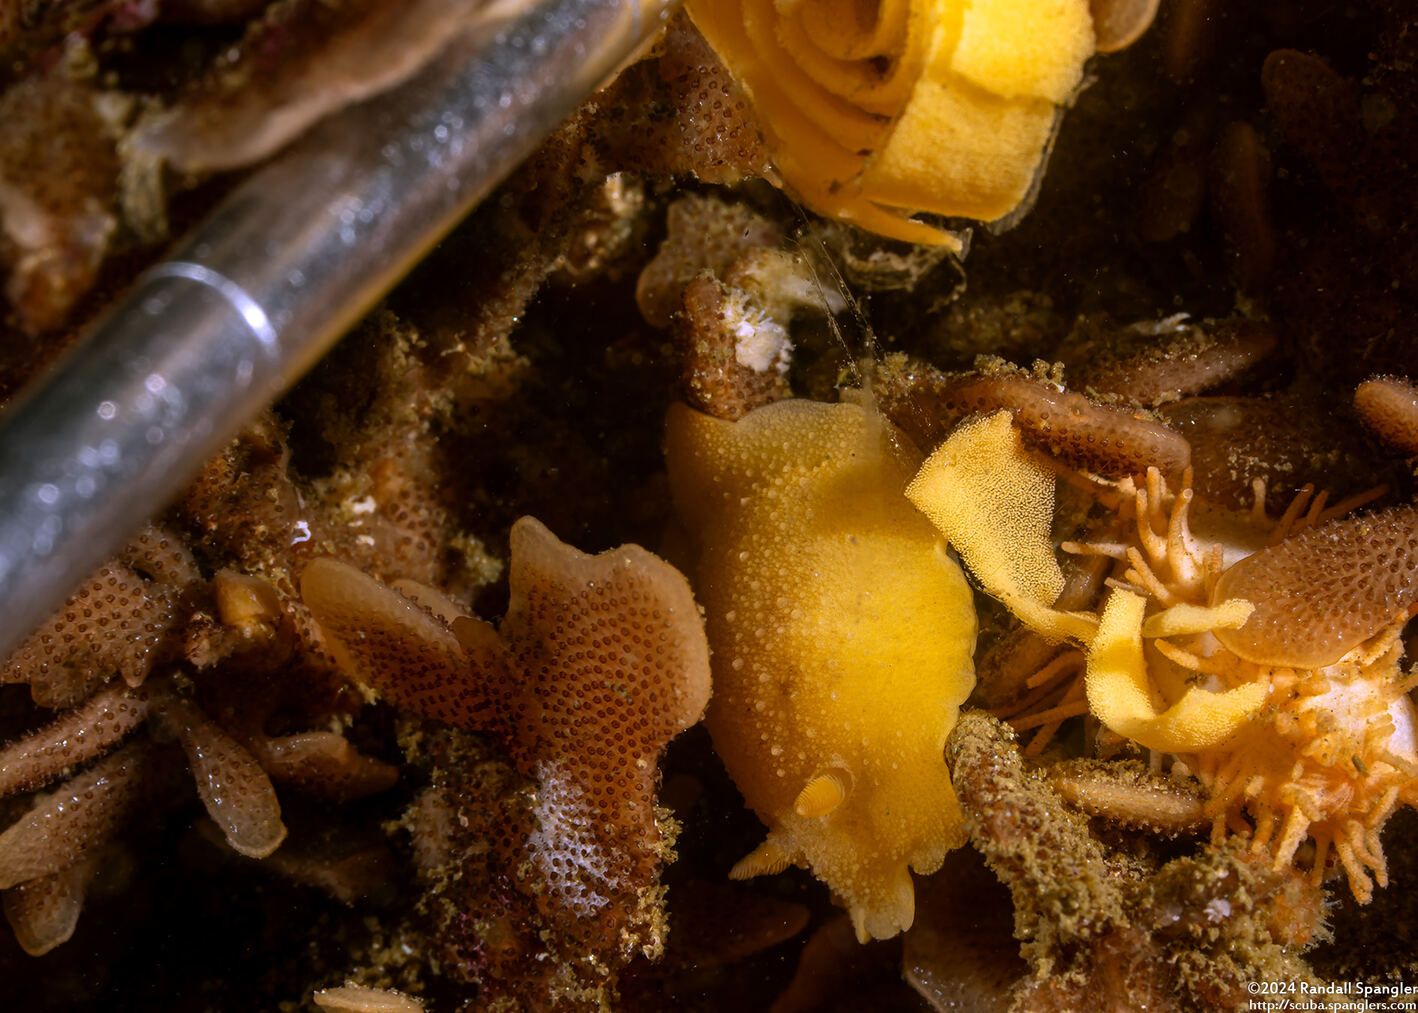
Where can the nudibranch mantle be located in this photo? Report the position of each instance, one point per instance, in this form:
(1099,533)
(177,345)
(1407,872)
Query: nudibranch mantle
(842,636)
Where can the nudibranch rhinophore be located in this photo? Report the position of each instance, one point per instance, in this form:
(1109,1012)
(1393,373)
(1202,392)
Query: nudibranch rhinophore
(876,109)
(842,636)
(1264,656)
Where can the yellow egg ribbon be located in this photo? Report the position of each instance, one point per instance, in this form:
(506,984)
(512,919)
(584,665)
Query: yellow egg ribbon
(877,109)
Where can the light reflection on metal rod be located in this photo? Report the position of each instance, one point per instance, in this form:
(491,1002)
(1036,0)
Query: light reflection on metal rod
(249,301)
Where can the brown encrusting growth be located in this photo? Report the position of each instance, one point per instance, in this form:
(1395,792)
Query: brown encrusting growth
(927,403)
(707,333)
(703,234)
(81,815)
(100,722)
(679,113)
(259,96)
(121,622)
(1324,591)
(59,169)
(43,912)
(1131,795)
(50,851)
(1147,365)
(1389,407)
(599,662)
(1111,931)
(225,676)
(1287,442)
(1220,253)
(1030,840)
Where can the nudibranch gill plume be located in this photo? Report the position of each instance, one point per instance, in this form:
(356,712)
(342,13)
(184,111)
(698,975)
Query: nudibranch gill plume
(842,636)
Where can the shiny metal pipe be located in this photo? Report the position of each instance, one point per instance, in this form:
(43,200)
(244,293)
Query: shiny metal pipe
(248,302)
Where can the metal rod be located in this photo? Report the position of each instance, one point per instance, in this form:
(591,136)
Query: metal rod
(248,302)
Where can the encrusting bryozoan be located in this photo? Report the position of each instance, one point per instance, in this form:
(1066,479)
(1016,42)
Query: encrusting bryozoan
(1271,673)
(1389,407)
(842,635)
(599,662)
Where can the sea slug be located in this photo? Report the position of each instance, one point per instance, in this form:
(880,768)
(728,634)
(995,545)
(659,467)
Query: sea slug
(842,636)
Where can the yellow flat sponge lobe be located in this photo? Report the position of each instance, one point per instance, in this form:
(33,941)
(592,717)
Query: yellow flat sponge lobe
(876,109)
(842,637)
(1025,48)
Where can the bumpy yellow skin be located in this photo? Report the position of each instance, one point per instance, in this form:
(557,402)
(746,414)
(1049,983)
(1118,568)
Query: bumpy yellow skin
(842,636)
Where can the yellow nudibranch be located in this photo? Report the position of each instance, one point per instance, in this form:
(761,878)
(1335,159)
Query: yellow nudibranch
(876,109)
(842,637)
